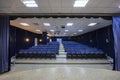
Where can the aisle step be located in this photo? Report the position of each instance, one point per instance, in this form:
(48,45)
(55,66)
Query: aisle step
(62,52)
(61,55)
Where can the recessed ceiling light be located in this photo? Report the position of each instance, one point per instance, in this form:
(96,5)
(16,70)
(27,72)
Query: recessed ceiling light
(92,24)
(69,24)
(37,30)
(29,3)
(24,24)
(80,30)
(52,30)
(64,33)
(75,33)
(119,6)
(66,30)
(80,3)
(46,24)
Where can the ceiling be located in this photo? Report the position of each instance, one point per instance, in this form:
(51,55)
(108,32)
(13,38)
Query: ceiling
(56,24)
(60,6)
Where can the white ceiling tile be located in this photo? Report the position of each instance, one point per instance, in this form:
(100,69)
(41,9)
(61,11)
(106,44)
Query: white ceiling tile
(55,3)
(67,3)
(43,3)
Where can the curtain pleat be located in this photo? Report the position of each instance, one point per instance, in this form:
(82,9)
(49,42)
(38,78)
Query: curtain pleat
(4,44)
(116,32)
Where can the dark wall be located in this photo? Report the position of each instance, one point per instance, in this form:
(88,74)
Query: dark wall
(12,43)
(67,38)
(17,39)
(101,38)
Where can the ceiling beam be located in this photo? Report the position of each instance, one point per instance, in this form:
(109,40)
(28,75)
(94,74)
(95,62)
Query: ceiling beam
(60,14)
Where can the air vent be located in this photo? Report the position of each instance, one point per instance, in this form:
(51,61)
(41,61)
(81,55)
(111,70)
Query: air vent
(36,24)
(62,27)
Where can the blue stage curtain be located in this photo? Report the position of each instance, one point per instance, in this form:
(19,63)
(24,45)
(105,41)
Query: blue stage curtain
(116,32)
(4,44)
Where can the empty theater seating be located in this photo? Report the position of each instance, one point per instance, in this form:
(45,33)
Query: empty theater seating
(77,50)
(41,51)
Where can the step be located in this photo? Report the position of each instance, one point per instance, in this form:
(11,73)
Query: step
(62,53)
(61,60)
(62,50)
(61,56)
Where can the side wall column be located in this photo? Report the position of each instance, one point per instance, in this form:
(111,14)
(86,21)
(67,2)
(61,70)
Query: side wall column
(35,41)
(44,37)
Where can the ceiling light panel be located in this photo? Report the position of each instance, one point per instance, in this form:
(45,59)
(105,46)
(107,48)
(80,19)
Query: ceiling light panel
(46,24)
(80,3)
(38,30)
(69,24)
(119,6)
(52,30)
(66,30)
(92,24)
(24,24)
(29,3)
(80,30)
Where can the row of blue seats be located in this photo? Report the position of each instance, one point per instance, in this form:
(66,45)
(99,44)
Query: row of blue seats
(41,51)
(38,51)
(77,50)
(45,48)
(85,52)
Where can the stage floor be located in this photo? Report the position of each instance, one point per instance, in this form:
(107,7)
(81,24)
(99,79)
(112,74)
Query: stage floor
(62,73)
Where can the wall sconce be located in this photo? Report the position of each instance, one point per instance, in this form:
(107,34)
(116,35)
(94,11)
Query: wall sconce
(107,41)
(47,37)
(50,40)
(40,40)
(27,39)
(91,41)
